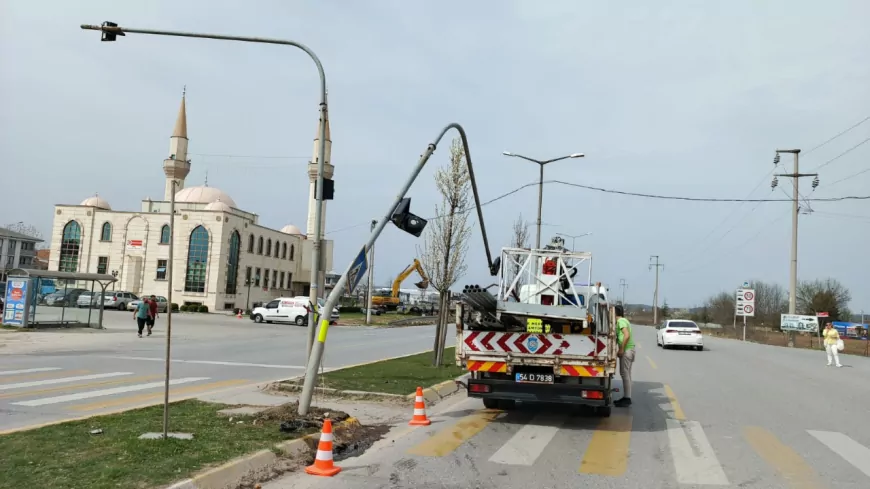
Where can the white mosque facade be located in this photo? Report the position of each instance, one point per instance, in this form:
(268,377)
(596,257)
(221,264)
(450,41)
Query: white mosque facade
(218,248)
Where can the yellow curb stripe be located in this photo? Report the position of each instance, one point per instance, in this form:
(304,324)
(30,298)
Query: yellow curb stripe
(57,373)
(786,461)
(153,396)
(71,387)
(607,453)
(449,439)
(652,363)
(675,405)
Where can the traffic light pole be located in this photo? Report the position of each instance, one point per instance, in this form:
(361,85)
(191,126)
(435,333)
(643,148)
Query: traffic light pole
(317,351)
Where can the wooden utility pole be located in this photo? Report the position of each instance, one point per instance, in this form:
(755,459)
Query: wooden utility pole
(657,266)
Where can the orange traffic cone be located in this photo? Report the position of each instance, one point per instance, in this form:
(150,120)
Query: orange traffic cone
(323,460)
(419,418)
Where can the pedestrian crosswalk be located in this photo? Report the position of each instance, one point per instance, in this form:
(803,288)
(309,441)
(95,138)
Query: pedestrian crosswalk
(609,446)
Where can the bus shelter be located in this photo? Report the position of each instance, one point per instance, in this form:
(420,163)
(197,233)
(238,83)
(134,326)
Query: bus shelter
(46,298)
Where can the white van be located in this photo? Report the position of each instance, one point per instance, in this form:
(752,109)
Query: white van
(288,310)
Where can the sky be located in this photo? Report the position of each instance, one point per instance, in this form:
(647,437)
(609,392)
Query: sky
(682,98)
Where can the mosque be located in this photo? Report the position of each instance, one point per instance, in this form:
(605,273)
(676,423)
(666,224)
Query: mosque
(221,252)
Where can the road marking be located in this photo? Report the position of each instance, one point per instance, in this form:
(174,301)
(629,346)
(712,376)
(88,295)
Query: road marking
(785,460)
(607,453)
(17,378)
(61,380)
(694,459)
(210,362)
(449,439)
(530,441)
(142,398)
(77,386)
(852,451)
(675,405)
(652,363)
(105,392)
(29,370)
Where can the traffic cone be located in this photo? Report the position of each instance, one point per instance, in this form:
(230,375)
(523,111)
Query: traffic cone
(239,315)
(419,418)
(323,460)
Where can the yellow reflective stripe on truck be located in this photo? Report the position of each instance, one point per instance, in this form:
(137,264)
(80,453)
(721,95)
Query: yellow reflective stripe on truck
(494,367)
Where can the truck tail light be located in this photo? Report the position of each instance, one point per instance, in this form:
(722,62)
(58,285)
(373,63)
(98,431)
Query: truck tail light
(479,388)
(592,394)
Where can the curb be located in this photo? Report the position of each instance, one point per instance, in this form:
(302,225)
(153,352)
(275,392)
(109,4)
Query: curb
(230,473)
(432,395)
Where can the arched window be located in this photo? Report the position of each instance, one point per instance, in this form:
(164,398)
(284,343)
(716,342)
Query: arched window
(70,245)
(260,245)
(233,262)
(284,250)
(197,259)
(251,243)
(292,251)
(106,232)
(277,249)
(164,234)
(269,247)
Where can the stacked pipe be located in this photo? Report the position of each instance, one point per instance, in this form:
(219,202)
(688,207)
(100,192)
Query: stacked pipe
(479,298)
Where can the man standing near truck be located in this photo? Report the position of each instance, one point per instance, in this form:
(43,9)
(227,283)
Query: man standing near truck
(625,352)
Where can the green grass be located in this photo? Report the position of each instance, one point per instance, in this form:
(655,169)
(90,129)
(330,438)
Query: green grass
(67,456)
(398,376)
(359,318)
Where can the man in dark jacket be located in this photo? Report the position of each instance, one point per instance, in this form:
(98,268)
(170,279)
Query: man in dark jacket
(152,312)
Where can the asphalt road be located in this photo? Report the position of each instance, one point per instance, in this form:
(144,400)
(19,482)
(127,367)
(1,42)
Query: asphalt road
(736,415)
(57,375)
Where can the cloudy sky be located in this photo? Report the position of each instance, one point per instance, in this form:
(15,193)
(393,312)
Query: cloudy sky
(673,98)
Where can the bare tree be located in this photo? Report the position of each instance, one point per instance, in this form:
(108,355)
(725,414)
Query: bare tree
(29,230)
(446,240)
(771,300)
(519,239)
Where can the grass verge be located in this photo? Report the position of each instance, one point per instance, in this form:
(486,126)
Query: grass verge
(359,319)
(67,455)
(397,376)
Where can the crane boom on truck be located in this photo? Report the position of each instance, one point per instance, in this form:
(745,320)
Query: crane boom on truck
(543,337)
(390,300)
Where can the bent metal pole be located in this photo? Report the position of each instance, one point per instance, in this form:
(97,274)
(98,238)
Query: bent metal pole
(318,217)
(317,351)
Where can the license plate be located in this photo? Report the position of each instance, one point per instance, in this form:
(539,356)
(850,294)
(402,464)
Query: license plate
(532,378)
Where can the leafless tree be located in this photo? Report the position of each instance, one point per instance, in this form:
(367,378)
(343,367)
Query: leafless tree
(447,236)
(771,301)
(29,230)
(519,239)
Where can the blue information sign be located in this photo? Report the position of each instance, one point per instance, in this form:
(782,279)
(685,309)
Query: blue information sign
(357,270)
(15,305)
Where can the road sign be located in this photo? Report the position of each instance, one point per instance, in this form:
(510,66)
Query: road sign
(745,302)
(357,270)
(822,314)
(796,322)
(745,285)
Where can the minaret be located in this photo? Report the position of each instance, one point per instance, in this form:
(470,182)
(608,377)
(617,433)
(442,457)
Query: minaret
(177,166)
(312,177)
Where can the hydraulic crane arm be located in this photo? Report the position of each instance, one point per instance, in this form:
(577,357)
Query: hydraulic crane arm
(406,273)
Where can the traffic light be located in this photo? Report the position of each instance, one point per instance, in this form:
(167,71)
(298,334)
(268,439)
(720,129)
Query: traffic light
(328,188)
(404,220)
(110,36)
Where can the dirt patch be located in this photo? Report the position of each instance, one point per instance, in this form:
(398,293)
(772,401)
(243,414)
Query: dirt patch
(353,440)
(287,418)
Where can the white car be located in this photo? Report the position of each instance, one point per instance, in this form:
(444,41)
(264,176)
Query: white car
(679,332)
(288,310)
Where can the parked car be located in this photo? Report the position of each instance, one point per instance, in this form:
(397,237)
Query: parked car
(679,332)
(288,310)
(118,300)
(64,298)
(89,299)
(162,303)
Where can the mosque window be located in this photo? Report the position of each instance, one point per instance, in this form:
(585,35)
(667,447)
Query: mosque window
(277,248)
(164,234)
(251,243)
(281,282)
(269,247)
(284,250)
(106,232)
(292,251)
(260,246)
(70,245)
(233,263)
(197,260)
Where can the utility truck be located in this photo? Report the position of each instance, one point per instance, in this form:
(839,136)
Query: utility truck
(542,337)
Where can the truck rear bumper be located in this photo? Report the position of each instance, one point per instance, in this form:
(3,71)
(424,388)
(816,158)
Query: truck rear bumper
(549,393)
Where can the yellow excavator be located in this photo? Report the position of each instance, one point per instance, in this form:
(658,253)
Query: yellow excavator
(390,300)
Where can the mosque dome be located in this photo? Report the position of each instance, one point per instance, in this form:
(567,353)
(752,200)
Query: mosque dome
(96,201)
(203,195)
(218,205)
(291,229)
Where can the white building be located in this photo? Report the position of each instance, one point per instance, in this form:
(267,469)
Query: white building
(17,250)
(218,248)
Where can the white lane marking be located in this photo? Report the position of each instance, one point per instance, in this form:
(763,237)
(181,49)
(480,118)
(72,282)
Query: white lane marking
(530,441)
(29,370)
(61,380)
(852,451)
(210,362)
(694,461)
(106,392)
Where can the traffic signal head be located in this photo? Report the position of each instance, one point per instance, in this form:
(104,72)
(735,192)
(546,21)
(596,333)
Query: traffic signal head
(404,220)
(110,36)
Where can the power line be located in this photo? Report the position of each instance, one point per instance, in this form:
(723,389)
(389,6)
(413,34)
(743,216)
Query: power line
(838,135)
(848,178)
(844,153)
(259,157)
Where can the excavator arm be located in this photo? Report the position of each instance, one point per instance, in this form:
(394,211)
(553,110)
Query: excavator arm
(424,284)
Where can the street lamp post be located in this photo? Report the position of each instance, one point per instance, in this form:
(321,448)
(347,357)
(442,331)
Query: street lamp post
(541,185)
(109,32)
(574,238)
(115,276)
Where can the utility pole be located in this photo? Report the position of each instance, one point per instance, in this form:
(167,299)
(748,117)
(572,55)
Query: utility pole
(623,284)
(657,266)
(792,279)
(371,283)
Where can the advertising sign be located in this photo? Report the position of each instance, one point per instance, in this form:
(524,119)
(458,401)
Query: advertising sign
(15,310)
(796,322)
(135,245)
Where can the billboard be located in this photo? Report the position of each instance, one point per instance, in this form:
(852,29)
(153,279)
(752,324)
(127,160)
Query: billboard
(796,322)
(15,310)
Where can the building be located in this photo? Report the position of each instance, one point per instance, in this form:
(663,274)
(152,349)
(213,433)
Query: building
(223,257)
(17,250)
